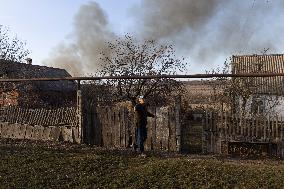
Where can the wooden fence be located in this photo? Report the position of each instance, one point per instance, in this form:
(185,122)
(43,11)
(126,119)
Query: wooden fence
(42,117)
(113,127)
(223,128)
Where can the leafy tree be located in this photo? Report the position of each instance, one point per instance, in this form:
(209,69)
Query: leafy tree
(11,48)
(128,57)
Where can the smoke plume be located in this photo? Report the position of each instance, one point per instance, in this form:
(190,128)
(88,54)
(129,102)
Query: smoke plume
(203,30)
(91,33)
(208,29)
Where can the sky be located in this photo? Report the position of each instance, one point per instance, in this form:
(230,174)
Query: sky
(205,32)
(44,24)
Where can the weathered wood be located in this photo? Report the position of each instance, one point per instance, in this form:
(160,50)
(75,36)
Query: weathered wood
(281,129)
(172,130)
(277,137)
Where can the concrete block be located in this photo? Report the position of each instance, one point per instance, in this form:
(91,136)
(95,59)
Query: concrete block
(10,131)
(38,132)
(67,134)
(29,132)
(55,133)
(75,135)
(5,127)
(22,131)
(46,133)
(16,130)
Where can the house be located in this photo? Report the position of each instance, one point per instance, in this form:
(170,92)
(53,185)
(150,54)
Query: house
(202,94)
(36,93)
(265,95)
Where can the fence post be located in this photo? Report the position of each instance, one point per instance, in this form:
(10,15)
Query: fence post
(178,125)
(79,111)
(205,133)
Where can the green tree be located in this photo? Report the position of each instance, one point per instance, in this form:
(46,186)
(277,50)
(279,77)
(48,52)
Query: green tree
(11,48)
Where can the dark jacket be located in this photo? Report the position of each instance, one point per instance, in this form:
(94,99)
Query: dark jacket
(141,114)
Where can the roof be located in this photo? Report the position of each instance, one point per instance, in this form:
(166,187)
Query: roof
(10,69)
(273,63)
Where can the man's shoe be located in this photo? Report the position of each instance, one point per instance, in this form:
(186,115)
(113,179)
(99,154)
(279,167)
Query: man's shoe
(143,155)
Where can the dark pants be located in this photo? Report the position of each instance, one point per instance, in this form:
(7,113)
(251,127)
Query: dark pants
(141,137)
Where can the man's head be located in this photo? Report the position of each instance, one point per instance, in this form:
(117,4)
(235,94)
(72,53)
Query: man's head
(141,100)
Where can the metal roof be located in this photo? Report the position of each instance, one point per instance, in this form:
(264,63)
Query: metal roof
(266,64)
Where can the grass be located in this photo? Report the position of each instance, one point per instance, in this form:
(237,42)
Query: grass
(27,164)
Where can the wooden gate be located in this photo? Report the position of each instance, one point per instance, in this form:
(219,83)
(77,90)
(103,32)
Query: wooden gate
(113,127)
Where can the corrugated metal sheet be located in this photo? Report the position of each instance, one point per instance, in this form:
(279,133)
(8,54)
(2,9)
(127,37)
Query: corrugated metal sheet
(273,63)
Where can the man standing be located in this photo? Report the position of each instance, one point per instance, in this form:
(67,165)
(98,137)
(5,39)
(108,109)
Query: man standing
(141,115)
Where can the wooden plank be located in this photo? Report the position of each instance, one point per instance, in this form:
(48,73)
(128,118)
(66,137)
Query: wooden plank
(264,129)
(229,124)
(103,116)
(262,122)
(257,127)
(156,134)
(234,126)
(281,129)
(165,131)
(149,133)
(168,129)
(221,125)
(238,124)
(118,126)
(173,130)
(246,128)
(242,125)
(268,128)
(225,125)
(154,130)
(123,128)
(273,125)
(204,134)
(277,137)
(109,128)
(254,133)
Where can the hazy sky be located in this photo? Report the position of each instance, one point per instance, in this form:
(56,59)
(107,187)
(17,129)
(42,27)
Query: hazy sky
(206,32)
(43,24)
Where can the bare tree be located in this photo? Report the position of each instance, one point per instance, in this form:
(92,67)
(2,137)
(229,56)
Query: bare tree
(11,48)
(236,93)
(128,57)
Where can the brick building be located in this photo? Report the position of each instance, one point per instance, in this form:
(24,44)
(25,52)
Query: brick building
(37,93)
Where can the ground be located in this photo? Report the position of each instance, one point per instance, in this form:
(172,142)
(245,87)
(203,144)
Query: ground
(31,164)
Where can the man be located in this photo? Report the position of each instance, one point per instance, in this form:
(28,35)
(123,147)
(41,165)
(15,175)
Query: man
(141,115)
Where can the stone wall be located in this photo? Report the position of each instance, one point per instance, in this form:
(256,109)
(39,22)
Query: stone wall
(40,124)
(51,133)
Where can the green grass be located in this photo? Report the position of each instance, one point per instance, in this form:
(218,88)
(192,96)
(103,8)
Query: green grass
(26,164)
